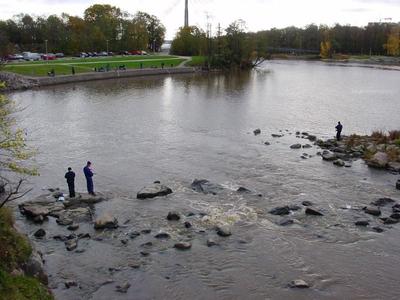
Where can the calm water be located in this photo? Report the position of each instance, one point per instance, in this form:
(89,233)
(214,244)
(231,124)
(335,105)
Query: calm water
(176,129)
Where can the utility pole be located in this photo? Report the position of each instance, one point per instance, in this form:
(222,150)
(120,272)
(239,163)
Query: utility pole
(47,56)
(186,13)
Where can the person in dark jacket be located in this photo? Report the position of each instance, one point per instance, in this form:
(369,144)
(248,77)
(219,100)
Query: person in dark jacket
(89,180)
(339,128)
(70,176)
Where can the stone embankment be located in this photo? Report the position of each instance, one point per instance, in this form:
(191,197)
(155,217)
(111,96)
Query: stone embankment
(20,82)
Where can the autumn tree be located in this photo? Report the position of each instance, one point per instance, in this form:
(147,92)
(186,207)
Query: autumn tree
(189,41)
(14,154)
(393,42)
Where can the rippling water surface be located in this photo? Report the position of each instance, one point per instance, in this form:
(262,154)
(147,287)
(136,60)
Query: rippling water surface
(175,129)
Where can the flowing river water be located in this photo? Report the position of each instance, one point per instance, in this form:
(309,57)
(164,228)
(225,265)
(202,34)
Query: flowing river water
(176,129)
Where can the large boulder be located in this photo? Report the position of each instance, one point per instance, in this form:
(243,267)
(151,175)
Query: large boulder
(83,199)
(379,160)
(106,221)
(279,211)
(205,186)
(34,267)
(328,155)
(33,211)
(154,190)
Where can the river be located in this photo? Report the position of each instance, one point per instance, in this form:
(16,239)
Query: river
(176,129)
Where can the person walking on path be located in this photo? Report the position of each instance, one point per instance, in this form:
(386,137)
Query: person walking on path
(89,178)
(70,176)
(339,128)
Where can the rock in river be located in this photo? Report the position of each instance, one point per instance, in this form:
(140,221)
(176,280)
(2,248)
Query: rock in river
(299,283)
(173,216)
(71,244)
(313,212)
(295,146)
(154,190)
(362,223)
(106,221)
(307,203)
(257,131)
(383,201)
(162,236)
(206,187)
(282,210)
(375,211)
(379,160)
(339,163)
(328,155)
(223,231)
(183,246)
(40,233)
(123,288)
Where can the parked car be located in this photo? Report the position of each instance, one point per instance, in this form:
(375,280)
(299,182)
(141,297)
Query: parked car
(110,53)
(83,55)
(48,56)
(136,52)
(124,53)
(15,57)
(60,55)
(31,56)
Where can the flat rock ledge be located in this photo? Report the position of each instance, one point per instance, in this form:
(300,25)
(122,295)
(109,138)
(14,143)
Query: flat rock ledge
(154,190)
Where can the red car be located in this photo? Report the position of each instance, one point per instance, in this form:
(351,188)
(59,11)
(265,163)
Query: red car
(49,56)
(136,52)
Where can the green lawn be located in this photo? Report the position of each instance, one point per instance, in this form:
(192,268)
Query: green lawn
(64,66)
(197,61)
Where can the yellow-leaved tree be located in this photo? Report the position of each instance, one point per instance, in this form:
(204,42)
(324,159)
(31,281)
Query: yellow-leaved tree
(393,42)
(14,154)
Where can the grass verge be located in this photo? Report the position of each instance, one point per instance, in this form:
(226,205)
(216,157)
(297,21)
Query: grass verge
(14,251)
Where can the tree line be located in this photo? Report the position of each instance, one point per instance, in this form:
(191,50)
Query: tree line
(102,27)
(236,47)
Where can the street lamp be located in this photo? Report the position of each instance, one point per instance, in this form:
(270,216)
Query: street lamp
(47,56)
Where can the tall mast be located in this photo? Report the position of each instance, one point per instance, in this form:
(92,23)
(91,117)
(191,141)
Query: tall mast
(186,13)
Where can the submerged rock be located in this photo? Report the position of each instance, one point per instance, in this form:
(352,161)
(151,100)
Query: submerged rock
(73,227)
(328,155)
(224,231)
(205,186)
(307,203)
(375,211)
(339,163)
(70,283)
(211,242)
(389,221)
(40,233)
(123,288)
(395,216)
(286,222)
(377,229)
(162,235)
(396,208)
(106,221)
(154,190)
(243,190)
(267,143)
(299,283)
(313,212)
(383,201)
(173,216)
(295,146)
(257,131)
(362,223)
(398,184)
(183,246)
(71,244)
(279,211)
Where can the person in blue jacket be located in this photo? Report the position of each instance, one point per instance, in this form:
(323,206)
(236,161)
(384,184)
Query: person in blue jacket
(89,178)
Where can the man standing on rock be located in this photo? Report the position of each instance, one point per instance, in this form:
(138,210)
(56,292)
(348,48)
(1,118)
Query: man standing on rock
(89,180)
(339,128)
(70,176)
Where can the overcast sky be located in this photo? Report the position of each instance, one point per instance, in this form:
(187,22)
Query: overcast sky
(258,14)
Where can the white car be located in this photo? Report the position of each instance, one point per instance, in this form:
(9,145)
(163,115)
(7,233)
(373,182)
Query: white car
(31,56)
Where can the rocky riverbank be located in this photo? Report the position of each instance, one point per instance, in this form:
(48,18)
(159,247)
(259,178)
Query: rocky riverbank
(17,82)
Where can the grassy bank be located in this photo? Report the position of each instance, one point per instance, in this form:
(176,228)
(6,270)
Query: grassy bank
(14,251)
(197,61)
(84,65)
